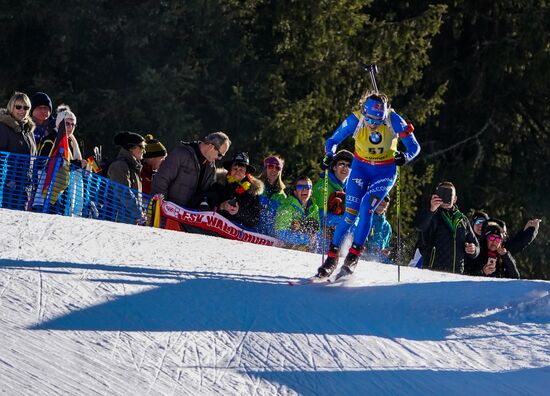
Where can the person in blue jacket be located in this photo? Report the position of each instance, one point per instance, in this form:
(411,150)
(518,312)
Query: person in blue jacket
(376,129)
(378,242)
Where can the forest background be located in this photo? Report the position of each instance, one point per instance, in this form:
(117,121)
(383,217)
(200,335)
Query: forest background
(279,76)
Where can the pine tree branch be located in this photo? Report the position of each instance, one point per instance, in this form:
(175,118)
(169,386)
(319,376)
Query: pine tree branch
(454,146)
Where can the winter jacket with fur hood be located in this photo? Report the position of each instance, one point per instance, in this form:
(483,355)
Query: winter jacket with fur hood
(247,193)
(16,137)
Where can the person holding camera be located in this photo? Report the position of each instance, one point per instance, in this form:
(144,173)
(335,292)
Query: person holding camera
(445,233)
(297,221)
(494,259)
(236,193)
(376,129)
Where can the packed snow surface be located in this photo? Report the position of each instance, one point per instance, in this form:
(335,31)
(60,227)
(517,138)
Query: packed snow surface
(97,308)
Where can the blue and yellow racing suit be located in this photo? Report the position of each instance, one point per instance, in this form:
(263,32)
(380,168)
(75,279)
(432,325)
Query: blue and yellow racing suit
(373,170)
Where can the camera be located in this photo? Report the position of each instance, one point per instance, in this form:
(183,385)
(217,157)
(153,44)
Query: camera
(445,193)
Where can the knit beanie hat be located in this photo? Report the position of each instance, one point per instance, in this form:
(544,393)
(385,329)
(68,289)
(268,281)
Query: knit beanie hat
(40,99)
(63,113)
(154,148)
(127,140)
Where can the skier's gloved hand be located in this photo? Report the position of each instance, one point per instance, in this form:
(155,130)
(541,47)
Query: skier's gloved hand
(400,158)
(325,161)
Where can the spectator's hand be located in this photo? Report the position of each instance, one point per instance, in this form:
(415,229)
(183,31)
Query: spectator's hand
(490,267)
(325,161)
(400,158)
(231,209)
(469,248)
(435,202)
(502,250)
(532,223)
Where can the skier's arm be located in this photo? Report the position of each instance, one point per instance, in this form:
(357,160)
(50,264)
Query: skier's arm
(405,133)
(346,128)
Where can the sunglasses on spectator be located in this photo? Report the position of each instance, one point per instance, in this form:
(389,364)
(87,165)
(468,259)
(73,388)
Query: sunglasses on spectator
(343,165)
(19,107)
(303,186)
(220,155)
(273,166)
(73,124)
(479,221)
(494,238)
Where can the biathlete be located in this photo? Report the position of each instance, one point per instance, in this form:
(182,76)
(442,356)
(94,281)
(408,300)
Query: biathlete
(376,130)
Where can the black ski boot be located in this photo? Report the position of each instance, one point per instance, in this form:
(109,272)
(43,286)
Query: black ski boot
(330,263)
(351,260)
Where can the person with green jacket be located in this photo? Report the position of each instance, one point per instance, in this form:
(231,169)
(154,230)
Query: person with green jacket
(274,193)
(336,196)
(297,219)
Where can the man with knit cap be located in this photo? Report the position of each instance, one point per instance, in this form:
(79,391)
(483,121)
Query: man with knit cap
(41,113)
(188,171)
(155,153)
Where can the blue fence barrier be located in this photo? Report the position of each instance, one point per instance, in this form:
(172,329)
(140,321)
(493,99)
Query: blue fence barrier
(52,185)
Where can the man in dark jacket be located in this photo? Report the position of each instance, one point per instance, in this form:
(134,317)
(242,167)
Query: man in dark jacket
(188,172)
(493,260)
(446,234)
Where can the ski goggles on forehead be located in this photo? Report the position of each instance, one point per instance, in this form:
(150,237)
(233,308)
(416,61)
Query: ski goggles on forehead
(494,238)
(303,186)
(479,221)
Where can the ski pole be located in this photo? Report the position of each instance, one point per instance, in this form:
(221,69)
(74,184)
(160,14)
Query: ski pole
(398,198)
(325,207)
(373,71)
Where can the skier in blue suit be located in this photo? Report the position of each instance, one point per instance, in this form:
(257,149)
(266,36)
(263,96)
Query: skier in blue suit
(376,129)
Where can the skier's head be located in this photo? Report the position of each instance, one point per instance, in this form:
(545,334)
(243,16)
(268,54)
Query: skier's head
(375,108)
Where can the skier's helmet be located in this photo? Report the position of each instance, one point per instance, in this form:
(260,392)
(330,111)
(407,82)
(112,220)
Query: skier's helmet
(375,110)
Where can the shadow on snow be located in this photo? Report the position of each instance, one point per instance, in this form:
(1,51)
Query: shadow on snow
(200,301)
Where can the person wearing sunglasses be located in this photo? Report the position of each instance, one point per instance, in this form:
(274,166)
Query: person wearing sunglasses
(494,259)
(274,193)
(16,136)
(376,129)
(16,126)
(67,119)
(187,173)
(297,221)
(515,243)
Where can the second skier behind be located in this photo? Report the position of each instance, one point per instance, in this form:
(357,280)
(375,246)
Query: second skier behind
(376,130)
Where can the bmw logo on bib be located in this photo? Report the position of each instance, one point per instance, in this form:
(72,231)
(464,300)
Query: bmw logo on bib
(375,137)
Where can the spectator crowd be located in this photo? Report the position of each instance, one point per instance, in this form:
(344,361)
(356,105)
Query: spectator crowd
(307,215)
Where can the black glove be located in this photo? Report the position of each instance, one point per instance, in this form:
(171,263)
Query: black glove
(400,158)
(325,161)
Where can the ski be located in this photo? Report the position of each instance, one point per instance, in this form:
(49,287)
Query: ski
(309,281)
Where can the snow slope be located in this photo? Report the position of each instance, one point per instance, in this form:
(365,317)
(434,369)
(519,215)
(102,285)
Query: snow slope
(97,308)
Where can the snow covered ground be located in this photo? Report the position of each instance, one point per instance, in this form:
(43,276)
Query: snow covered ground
(97,308)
